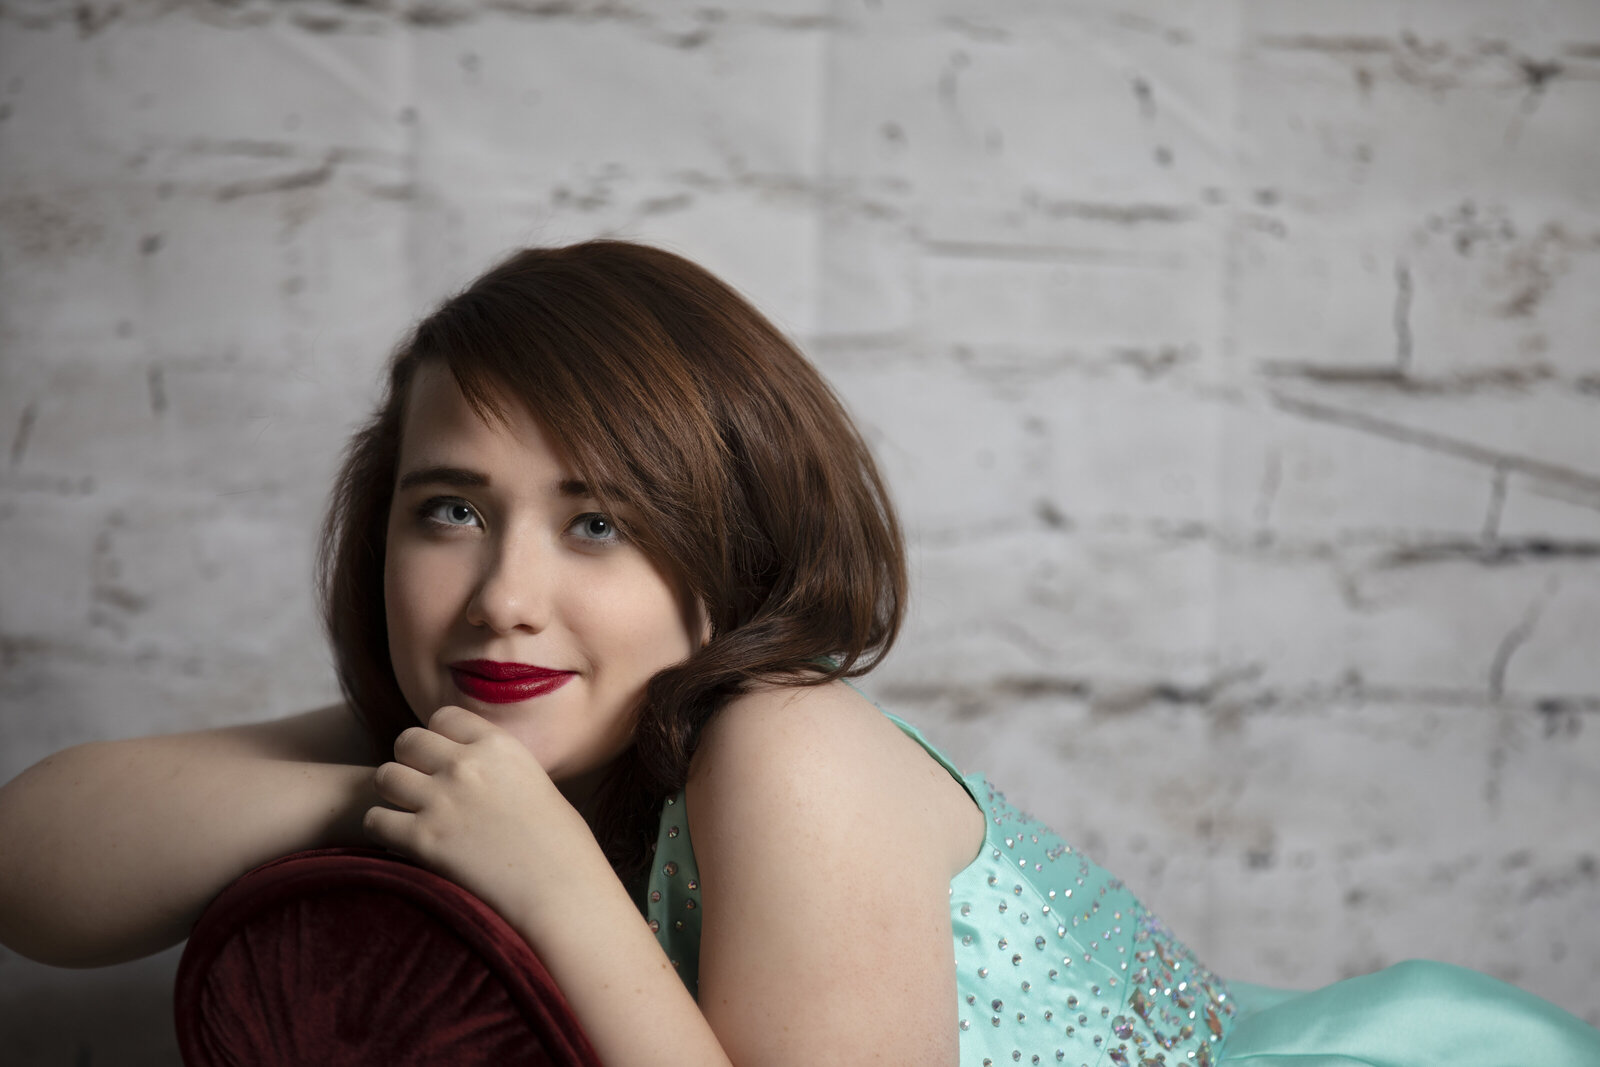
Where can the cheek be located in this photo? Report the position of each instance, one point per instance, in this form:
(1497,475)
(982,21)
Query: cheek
(645,618)
(398,598)
(421,579)
(416,613)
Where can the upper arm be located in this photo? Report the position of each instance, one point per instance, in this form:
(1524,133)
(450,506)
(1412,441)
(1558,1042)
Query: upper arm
(824,883)
(325,735)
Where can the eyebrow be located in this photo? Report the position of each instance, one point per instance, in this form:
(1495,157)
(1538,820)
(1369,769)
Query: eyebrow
(461,477)
(576,489)
(456,476)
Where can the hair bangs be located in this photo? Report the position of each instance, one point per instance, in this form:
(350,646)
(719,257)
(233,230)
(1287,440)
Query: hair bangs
(615,394)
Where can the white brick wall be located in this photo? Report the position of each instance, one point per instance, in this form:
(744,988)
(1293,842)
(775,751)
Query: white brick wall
(1234,365)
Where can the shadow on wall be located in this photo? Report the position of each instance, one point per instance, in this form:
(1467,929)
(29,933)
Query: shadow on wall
(121,1016)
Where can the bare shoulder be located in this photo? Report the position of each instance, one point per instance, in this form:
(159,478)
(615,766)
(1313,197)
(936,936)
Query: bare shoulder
(329,734)
(798,738)
(825,757)
(778,725)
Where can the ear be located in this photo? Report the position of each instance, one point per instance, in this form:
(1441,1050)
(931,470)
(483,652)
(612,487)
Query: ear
(696,619)
(703,623)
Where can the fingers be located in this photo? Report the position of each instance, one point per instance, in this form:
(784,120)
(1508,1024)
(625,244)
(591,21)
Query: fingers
(390,828)
(422,748)
(397,827)
(459,724)
(403,786)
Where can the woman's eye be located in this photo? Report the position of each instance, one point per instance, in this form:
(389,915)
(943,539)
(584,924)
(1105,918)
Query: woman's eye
(450,513)
(595,528)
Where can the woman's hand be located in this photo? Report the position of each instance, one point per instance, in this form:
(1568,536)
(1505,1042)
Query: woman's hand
(475,806)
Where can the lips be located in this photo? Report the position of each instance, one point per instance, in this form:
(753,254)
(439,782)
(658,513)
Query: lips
(505,683)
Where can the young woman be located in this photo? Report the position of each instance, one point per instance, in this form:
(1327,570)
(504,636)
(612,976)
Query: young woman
(594,575)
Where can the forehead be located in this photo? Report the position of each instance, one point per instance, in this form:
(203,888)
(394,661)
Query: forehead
(440,424)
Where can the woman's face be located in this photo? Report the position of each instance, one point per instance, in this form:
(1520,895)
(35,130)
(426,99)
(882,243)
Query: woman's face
(509,593)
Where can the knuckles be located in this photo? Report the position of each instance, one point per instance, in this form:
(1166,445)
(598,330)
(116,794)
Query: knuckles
(409,737)
(449,718)
(383,779)
(372,824)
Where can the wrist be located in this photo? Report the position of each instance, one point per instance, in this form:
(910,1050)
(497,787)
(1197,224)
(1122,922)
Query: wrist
(576,889)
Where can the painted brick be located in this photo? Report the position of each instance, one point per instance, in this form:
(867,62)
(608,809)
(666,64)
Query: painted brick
(1327,482)
(1061,607)
(1232,364)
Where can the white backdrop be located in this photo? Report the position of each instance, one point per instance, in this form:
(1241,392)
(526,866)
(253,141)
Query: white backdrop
(1233,363)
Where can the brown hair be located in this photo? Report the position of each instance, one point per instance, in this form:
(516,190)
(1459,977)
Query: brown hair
(677,400)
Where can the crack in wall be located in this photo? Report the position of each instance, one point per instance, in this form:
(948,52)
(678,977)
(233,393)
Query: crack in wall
(1402,317)
(1518,378)
(1360,548)
(1436,442)
(1497,503)
(25,423)
(1518,636)
(1271,479)
(278,183)
(1236,692)
(1120,214)
(156,379)
(1004,252)
(1436,65)
(1519,550)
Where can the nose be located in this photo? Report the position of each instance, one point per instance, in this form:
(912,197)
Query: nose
(515,588)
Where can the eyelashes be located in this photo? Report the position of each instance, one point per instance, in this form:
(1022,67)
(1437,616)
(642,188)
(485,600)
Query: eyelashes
(459,514)
(454,513)
(595,527)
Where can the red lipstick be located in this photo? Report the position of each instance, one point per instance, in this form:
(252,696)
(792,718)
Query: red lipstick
(505,683)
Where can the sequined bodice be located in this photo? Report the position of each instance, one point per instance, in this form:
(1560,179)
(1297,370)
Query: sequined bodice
(1056,961)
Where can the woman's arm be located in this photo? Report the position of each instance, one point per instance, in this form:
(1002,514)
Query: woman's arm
(112,849)
(825,841)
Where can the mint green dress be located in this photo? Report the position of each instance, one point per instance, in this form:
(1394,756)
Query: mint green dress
(1058,963)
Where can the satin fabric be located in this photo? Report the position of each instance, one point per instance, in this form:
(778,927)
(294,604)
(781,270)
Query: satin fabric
(1413,1014)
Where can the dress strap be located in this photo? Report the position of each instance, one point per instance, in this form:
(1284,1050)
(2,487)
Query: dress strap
(927,746)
